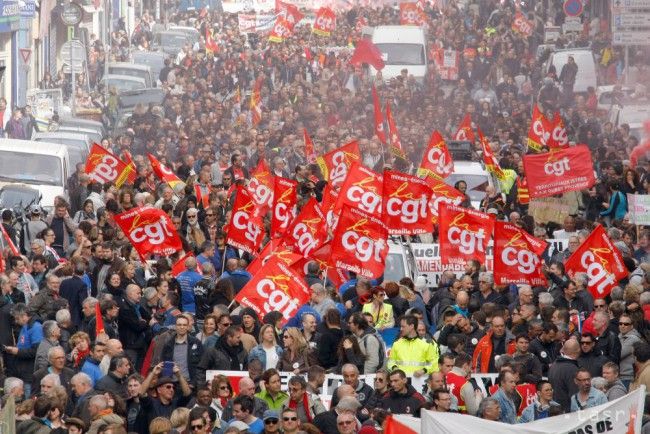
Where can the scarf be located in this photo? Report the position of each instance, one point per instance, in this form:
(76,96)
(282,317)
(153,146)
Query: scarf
(305,405)
(80,356)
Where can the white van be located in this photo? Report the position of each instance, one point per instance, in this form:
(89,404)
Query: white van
(41,165)
(402,47)
(476,178)
(584,58)
(78,144)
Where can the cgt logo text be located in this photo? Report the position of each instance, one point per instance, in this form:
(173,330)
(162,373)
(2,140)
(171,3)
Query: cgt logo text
(595,428)
(276,294)
(468,241)
(154,233)
(557,168)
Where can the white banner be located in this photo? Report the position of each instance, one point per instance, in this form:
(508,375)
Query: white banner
(251,23)
(639,207)
(622,416)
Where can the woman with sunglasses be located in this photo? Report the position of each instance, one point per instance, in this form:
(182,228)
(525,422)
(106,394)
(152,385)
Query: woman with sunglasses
(297,356)
(382,312)
(221,393)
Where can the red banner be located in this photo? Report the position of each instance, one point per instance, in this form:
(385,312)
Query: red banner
(522,25)
(406,204)
(436,160)
(442,193)
(308,230)
(465,131)
(328,205)
(410,14)
(310,152)
(559,171)
(539,131)
(491,163)
(600,259)
(325,22)
(150,230)
(464,234)
(379,118)
(290,13)
(102,166)
(246,229)
(275,287)
(362,189)
(360,243)
(335,164)
(285,197)
(261,187)
(166,175)
(395,142)
(179,266)
(516,256)
(281,30)
(558,137)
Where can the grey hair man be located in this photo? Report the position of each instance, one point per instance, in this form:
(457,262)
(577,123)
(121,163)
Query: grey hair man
(51,335)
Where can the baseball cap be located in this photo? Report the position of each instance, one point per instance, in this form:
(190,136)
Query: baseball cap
(270,414)
(239,425)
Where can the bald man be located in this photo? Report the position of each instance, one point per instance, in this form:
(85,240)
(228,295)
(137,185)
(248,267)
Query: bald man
(563,371)
(113,348)
(246,388)
(188,280)
(236,274)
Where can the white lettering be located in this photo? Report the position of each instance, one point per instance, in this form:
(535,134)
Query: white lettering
(469,241)
(598,276)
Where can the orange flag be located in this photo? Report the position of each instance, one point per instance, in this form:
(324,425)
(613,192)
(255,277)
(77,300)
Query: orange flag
(310,153)
(99,321)
(166,175)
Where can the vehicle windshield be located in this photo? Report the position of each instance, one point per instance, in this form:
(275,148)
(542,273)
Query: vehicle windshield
(126,71)
(124,84)
(476,184)
(155,63)
(11,198)
(394,267)
(402,54)
(172,40)
(42,169)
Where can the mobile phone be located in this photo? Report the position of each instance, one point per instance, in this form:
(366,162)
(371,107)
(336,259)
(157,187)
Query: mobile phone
(168,369)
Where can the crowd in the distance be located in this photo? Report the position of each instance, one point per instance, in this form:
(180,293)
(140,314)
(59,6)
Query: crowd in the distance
(555,349)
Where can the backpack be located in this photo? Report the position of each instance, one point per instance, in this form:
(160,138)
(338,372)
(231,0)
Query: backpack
(382,347)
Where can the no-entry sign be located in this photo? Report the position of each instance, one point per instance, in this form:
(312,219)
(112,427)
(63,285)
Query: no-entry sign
(573,8)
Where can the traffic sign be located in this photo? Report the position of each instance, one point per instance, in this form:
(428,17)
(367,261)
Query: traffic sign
(573,8)
(630,3)
(631,20)
(630,37)
(25,53)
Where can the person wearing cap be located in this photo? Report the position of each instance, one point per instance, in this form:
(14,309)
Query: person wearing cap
(34,226)
(271,419)
(166,401)
(75,425)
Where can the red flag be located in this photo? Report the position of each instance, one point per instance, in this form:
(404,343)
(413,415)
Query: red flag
(307,53)
(150,230)
(406,204)
(285,197)
(10,242)
(362,189)
(539,131)
(464,234)
(559,171)
(600,259)
(202,198)
(367,52)
(359,244)
(328,205)
(179,266)
(261,187)
(395,142)
(310,152)
(558,137)
(410,14)
(398,424)
(516,256)
(465,131)
(211,45)
(379,119)
(308,230)
(325,22)
(335,164)
(165,174)
(246,229)
(491,164)
(99,321)
(281,30)
(256,102)
(275,287)
(269,248)
(103,166)
(442,193)
(522,25)
(436,160)
(290,13)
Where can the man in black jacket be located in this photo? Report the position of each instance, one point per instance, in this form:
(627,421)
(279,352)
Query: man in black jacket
(402,398)
(184,349)
(116,379)
(607,342)
(56,359)
(133,325)
(562,372)
(75,290)
(228,354)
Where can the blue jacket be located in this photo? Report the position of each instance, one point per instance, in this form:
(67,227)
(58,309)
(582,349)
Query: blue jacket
(30,336)
(91,367)
(617,206)
(508,410)
(528,415)
(188,279)
(218,260)
(258,353)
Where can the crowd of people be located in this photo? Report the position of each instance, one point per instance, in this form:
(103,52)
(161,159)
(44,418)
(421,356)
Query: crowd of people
(94,339)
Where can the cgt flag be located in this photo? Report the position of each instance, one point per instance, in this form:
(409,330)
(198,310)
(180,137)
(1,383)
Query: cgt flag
(310,152)
(246,229)
(491,164)
(285,197)
(436,160)
(539,131)
(335,164)
(103,166)
(275,287)
(166,175)
(442,193)
(395,142)
(600,259)
(559,171)
(150,230)
(406,208)
(325,22)
(465,131)
(360,243)
(464,234)
(516,256)
(308,230)
(558,137)
(362,189)
(261,187)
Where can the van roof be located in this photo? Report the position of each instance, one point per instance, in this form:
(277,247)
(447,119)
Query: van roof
(61,135)
(129,65)
(122,77)
(398,34)
(33,147)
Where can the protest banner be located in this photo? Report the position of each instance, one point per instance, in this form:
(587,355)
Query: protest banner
(639,207)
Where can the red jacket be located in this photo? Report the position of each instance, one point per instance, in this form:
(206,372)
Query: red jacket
(483,352)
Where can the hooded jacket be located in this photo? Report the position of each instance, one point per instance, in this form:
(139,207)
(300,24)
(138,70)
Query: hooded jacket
(402,403)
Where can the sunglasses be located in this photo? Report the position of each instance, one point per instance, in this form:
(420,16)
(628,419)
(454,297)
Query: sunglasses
(598,306)
(586,343)
(223,388)
(197,427)
(169,386)
(287,419)
(191,216)
(286,337)
(270,421)
(228,324)
(209,215)
(625,323)
(345,422)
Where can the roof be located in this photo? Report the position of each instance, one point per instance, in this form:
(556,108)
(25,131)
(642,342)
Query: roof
(32,147)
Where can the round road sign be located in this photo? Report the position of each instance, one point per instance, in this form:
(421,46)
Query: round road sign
(573,8)
(71,14)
